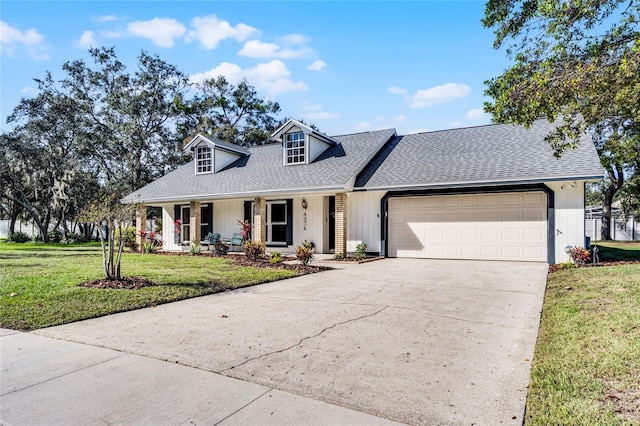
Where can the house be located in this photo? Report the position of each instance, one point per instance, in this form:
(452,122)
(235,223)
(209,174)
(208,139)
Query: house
(489,192)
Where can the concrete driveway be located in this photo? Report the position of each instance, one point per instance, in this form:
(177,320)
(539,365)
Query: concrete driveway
(415,341)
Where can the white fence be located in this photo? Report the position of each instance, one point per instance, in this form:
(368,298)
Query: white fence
(621,230)
(28,228)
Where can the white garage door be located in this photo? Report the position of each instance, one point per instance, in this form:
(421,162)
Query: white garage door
(502,226)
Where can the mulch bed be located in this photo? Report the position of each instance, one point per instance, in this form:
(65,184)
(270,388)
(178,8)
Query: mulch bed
(556,267)
(129,283)
(133,283)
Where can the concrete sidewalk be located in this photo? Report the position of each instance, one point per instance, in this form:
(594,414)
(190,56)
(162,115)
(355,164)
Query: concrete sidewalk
(44,381)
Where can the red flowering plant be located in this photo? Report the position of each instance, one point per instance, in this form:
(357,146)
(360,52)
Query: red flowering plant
(579,255)
(149,241)
(245,229)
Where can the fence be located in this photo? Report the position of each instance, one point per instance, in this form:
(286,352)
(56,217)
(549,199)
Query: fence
(621,230)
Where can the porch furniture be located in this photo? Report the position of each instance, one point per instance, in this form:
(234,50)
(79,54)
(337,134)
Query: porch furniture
(210,240)
(236,240)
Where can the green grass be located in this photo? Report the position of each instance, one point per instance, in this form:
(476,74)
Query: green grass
(586,369)
(618,250)
(39,283)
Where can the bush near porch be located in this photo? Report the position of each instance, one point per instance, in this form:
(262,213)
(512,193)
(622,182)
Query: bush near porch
(39,283)
(586,367)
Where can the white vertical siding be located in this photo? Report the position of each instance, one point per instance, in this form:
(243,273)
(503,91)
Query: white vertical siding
(226,214)
(314,222)
(364,221)
(316,148)
(222,159)
(569,217)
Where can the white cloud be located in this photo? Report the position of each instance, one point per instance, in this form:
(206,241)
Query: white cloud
(363,125)
(418,130)
(258,49)
(105,18)
(292,39)
(437,95)
(11,37)
(87,39)
(209,31)
(477,114)
(160,31)
(321,115)
(400,118)
(111,34)
(318,65)
(29,90)
(397,90)
(271,77)
(312,107)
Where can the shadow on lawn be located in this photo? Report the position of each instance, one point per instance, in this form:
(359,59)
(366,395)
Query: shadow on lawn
(615,254)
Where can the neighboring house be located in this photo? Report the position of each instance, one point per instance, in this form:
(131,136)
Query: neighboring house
(488,192)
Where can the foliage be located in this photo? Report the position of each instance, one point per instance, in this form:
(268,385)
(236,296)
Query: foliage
(579,255)
(55,236)
(361,252)
(112,218)
(575,62)
(254,250)
(18,237)
(221,249)
(630,196)
(128,237)
(245,229)
(339,256)
(46,278)
(194,248)
(232,113)
(304,252)
(150,242)
(276,257)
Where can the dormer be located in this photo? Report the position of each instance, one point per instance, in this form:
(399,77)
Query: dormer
(300,143)
(211,155)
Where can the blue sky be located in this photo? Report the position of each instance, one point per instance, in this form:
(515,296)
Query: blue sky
(344,66)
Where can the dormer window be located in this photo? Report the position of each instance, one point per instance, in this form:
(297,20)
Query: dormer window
(203,159)
(295,148)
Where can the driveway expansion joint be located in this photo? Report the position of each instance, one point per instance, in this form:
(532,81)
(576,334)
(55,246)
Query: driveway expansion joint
(302,340)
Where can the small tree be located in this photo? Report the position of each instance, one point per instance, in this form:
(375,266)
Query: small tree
(111,218)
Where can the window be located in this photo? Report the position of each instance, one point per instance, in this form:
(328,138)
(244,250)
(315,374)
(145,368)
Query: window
(277,222)
(295,148)
(203,159)
(186,223)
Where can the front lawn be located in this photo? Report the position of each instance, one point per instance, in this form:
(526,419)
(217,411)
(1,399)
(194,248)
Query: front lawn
(39,283)
(586,369)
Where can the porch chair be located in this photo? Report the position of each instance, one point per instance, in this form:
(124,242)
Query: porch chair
(210,240)
(236,240)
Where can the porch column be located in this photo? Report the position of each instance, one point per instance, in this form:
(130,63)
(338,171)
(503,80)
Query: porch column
(341,224)
(260,220)
(141,224)
(194,221)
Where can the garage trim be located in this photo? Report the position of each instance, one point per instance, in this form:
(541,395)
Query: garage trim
(384,208)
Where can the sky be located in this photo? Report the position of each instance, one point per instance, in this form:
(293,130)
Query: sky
(344,66)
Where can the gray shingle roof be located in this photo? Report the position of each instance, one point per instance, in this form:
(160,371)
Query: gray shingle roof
(484,155)
(262,172)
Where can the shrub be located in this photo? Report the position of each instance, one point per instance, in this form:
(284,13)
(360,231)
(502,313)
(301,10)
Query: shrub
(304,252)
(19,237)
(275,257)
(74,237)
(194,248)
(150,242)
(55,236)
(361,252)
(129,235)
(579,255)
(220,249)
(254,250)
(339,256)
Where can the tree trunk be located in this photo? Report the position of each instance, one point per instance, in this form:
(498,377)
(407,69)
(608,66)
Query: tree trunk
(609,193)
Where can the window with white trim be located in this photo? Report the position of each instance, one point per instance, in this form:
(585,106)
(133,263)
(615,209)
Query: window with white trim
(295,148)
(203,159)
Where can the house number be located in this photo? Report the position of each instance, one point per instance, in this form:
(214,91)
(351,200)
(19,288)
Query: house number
(304,220)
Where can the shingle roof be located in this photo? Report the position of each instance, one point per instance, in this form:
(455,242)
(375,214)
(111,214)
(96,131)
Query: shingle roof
(484,155)
(263,172)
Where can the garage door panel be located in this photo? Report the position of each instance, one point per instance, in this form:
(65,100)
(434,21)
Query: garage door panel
(509,226)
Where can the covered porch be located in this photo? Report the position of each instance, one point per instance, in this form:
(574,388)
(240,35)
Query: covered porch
(281,223)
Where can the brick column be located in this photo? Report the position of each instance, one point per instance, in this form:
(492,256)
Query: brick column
(141,224)
(341,224)
(260,220)
(194,221)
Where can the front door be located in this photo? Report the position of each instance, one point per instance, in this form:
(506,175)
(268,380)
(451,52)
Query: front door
(277,223)
(332,223)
